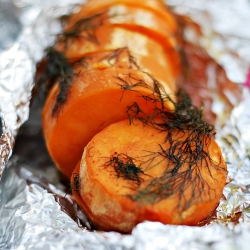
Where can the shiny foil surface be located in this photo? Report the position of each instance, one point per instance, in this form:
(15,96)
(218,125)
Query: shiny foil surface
(36,208)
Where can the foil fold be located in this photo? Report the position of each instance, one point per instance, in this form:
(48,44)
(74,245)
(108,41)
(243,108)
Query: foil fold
(37,222)
(233,139)
(18,58)
(12,197)
(225,31)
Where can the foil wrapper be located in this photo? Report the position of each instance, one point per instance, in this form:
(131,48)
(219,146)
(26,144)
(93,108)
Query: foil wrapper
(39,213)
(225,31)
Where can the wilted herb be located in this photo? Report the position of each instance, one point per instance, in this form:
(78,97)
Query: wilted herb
(75,185)
(56,69)
(59,69)
(85,28)
(113,57)
(125,167)
(188,138)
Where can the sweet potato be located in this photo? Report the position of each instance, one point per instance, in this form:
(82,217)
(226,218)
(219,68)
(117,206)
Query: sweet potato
(157,8)
(126,176)
(150,55)
(96,98)
(144,32)
(160,164)
(137,18)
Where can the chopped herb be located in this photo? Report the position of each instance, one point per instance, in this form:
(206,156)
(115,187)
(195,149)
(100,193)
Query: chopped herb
(85,28)
(113,57)
(59,69)
(185,155)
(75,185)
(56,69)
(125,167)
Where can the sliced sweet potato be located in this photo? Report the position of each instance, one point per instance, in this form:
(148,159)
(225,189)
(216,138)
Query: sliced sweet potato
(145,167)
(155,65)
(157,8)
(130,173)
(150,55)
(135,18)
(96,98)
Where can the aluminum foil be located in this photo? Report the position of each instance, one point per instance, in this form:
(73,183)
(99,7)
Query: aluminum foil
(225,31)
(22,45)
(36,213)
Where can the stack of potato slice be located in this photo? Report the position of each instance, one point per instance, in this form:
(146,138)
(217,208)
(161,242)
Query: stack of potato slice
(124,61)
(111,48)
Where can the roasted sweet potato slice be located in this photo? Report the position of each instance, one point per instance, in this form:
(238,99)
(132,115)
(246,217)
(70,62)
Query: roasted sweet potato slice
(150,55)
(130,173)
(96,98)
(135,18)
(158,9)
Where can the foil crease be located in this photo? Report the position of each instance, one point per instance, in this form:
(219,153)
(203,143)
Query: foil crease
(12,197)
(225,31)
(38,223)
(31,217)
(18,58)
(233,139)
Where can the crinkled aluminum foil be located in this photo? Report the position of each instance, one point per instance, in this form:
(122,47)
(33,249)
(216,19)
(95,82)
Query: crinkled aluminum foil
(19,53)
(30,214)
(225,31)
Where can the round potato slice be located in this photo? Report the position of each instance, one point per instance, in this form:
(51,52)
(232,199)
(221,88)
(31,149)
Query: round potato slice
(156,7)
(128,175)
(150,55)
(96,99)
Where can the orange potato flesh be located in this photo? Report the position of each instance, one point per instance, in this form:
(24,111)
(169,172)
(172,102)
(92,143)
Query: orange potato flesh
(104,195)
(95,100)
(156,7)
(155,65)
(135,18)
(149,54)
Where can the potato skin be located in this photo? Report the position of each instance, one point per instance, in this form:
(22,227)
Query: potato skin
(105,197)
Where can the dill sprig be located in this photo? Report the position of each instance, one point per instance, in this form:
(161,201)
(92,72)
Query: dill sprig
(57,68)
(185,149)
(114,56)
(75,184)
(85,28)
(125,167)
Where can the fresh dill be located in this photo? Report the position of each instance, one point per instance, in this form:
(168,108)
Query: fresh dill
(75,185)
(125,167)
(188,138)
(59,69)
(85,28)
